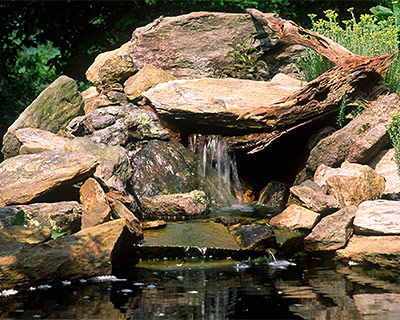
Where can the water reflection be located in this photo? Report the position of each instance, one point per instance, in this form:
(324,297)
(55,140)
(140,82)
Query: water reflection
(312,290)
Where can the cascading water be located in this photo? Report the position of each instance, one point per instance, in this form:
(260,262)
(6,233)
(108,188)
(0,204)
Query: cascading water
(213,152)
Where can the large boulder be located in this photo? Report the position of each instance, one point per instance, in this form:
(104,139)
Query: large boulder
(26,177)
(64,216)
(89,252)
(332,232)
(360,140)
(310,195)
(351,184)
(188,46)
(383,251)
(52,110)
(295,218)
(379,217)
(203,103)
(192,205)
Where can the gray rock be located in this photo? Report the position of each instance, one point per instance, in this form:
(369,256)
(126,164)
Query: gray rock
(379,217)
(360,140)
(332,232)
(52,110)
(273,195)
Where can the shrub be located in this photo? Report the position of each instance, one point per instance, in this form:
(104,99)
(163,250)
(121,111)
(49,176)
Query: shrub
(393,129)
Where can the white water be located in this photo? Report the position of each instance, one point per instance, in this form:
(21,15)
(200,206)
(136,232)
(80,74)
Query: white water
(213,152)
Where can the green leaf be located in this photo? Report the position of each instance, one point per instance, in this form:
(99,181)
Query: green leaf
(381,11)
(19,218)
(55,234)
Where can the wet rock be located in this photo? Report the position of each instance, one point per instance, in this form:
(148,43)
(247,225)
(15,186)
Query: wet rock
(378,305)
(254,237)
(383,251)
(360,140)
(289,242)
(52,110)
(147,77)
(84,254)
(181,45)
(164,168)
(192,205)
(26,177)
(385,165)
(273,195)
(379,217)
(351,184)
(95,206)
(332,232)
(201,103)
(119,210)
(310,195)
(59,216)
(295,218)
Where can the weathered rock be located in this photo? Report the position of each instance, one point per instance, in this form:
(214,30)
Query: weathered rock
(192,205)
(360,140)
(181,45)
(26,177)
(379,217)
(203,103)
(117,97)
(95,206)
(18,236)
(295,218)
(147,77)
(273,195)
(155,224)
(332,232)
(351,184)
(94,100)
(310,195)
(385,165)
(117,68)
(254,237)
(119,210)
(289,242)
(319,135)
(52,110)
(380,250)
(113,169)
(164,168)
(62,216)
(83,254)
(382,305)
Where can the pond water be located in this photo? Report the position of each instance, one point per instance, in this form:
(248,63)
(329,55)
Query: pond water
(225,289)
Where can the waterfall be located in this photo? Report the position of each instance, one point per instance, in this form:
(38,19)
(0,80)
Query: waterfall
(213,152)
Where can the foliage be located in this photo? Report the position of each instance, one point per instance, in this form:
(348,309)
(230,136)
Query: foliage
(342,112)
(241,62)
(382,12)
(19,219)
(393,128)
(54,234)
(365,36)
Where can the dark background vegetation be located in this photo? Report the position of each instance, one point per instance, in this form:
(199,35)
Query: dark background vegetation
(40,40)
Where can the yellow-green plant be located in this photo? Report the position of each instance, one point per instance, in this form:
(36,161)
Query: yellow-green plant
(365,36)
(393,128)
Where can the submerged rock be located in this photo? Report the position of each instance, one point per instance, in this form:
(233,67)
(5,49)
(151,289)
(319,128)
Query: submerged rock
(62,216)
(26,177)
(295,218)
(351,184)
(379,217)
(52,110)
(332,232)
(383,251)
(192,205)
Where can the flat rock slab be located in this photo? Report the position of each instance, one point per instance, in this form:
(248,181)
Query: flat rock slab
(202,104)
(187,239)
(378,217)
(295,218)
(380,250)
(26,177)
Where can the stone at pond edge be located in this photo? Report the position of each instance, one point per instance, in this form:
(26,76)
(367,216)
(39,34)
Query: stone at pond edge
(87,253)
(273,195)
(52,110)
(95,206)
(383,251)
(254,237)
(379,217)
(62,216)
(119,210)
(154,224)
(289,242)
(332,232)
(26,177)
(181,206)
(295,218)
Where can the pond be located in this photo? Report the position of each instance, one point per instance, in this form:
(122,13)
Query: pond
(224,289)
